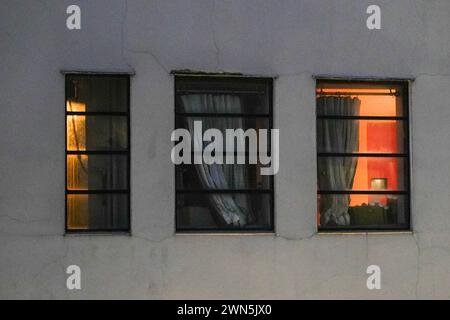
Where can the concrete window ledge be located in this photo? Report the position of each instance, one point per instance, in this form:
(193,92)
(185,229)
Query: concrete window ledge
(368,233)
(93,233)
(230,234)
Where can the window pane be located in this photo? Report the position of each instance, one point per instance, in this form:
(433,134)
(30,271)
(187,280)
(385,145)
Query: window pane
(221,176)
(366,100)
(96,133)
(365,211)
(361,173)
(222,96)
(223,211)
(97,211)
(95,172)
(360,136)
(97,93)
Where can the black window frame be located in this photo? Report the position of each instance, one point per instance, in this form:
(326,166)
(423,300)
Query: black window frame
(269,115)
(406,154)
(125,152)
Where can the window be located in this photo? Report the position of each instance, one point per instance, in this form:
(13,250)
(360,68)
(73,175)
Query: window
(223,197)
(363,155)
(97,153)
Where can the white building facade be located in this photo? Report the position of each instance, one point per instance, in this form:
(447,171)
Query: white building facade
(295,46)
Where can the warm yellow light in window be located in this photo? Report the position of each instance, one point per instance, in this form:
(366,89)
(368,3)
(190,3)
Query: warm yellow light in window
(77,172)
(75,106)
(78,211)
(77,168)
(76,127)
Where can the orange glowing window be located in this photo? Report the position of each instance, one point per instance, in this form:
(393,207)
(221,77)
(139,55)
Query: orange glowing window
(362,144)
(97,153)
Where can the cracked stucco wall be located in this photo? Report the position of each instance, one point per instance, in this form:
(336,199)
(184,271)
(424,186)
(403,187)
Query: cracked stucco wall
(291,39)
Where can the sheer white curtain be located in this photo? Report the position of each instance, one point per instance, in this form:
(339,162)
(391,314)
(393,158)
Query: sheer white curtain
(337,173)
(233,209)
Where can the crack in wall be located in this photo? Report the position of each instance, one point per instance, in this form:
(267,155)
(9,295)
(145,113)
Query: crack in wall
(124,46)
(216,47)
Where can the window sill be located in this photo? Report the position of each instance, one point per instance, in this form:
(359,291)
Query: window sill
(225,234)
(96,233)
(375,232)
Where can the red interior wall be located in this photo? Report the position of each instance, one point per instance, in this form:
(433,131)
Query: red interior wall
(376,136)
(382,136)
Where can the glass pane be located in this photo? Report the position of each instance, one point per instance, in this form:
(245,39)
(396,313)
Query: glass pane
(97,93)
(221,176)
(359,100)
(97,211)
(96,133)
(359,136)
(362,210)
(361,173)
(224,211)
(97,172)
(222,95)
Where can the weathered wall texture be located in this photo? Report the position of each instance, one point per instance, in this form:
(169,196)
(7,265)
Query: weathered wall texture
(291,39)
